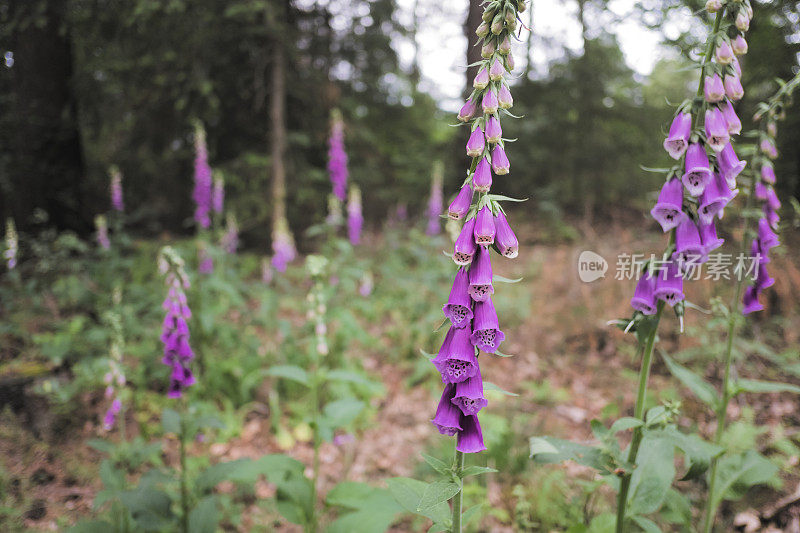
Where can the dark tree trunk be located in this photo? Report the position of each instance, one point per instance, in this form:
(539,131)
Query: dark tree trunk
(278,136)
(473,51)
(46,169)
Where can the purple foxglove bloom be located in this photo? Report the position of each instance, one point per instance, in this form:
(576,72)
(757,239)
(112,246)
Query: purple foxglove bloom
(772,199)
(505,46)
(469,395)
(505,240)
(435,204)
(480,276)
(729,165)
(771,216)
(768,173)
(202,179)
(486,334)
(481,79)
(750,301)
(467,110)
(496,71)
(668,210)
(484,226)
(476,143)
(117,202)
(456,360)
(724,53)
(669,284)
(510,61)
(504,97)
(712,6)
(111,414)
(737,67)
(464,249)
(717,135)
(768,147)
(644,299)
(772,129)
(458,308)
(500,163)
(766,237)
(739,45)
(205,262)
(731,119)
(708,236)
(714,199)
(283,249)
(355,219)
(470,438)
(102,232)
(676,142)
(742,22)
(230,239)
(489,102)
(448,416)
(713,89)
(733,87)
(698,173)
(493,130)
(482,178)
(460,204)
(761,191)
(689,249)
(757,251)
(218,195)
(337,158)
(763,279)
(175,333)
(12,244)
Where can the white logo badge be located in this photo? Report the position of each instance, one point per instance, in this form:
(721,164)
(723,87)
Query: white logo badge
(591,266)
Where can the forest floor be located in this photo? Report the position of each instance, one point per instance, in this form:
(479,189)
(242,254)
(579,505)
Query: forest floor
(569,367)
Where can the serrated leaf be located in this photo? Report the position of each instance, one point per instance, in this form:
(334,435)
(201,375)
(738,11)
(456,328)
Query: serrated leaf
(653,475)
(408,493)
(625,423)
(436,464)
(436,493)
(489,386)
(477,470)
(204,517)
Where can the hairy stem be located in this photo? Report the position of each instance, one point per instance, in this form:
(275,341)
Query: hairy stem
(644,375)
(722,408)
(458,462)
(184,485)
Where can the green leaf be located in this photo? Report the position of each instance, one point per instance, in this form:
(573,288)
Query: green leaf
(646,524)
(471,513)
(476,470)
(339,413)
(436,464)
(489,386)
(150,508)
(102,446)
(375,508)
(113,479)
(652,477)
(408,493)
(171,421)
(436,493)
(292,372)
(204,517)
(625,423)
(238,470)
(737,473)
(754,385)
(355,378)
(542,452)
(94,526)
(500,279)
(692,381)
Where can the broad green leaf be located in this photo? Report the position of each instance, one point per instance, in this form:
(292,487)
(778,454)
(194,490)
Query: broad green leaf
(625,423)
(647,525)
(737,473)
(375,508)
(476,471)
(471,513)
(292,372)
(150,508)
(692,381)
(500,279)
(753,385)
(203,518)
(339,413)
(112,478)
(436,493)
(541,452)
(238,470)
(355,378)
(103,446)
(652,477)
(436,464)
(408,493)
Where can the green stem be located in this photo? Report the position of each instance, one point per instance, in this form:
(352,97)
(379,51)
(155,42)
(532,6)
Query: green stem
(184,485)
(458,463)
(315,396)
(722,408)
(644,375)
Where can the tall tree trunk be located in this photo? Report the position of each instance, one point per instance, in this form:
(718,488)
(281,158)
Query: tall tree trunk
(529,43)
(47,166)
(473,50)
(278,137)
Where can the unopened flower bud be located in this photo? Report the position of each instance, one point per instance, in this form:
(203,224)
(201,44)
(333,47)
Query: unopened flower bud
(772,129)
(504,97)
(713,89)
(742,21)
(490,103)
(482,30)
(739,45)
(488,13)
(497,24)
(521,6)
(733,88)
(724,53)
(510,61)
(482,178)
(476,143)
(500,163)
(511,16)
(481,79)
(487,50)
(712,6)
(460,205)
(496,71)
(493,130)
(467,110)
